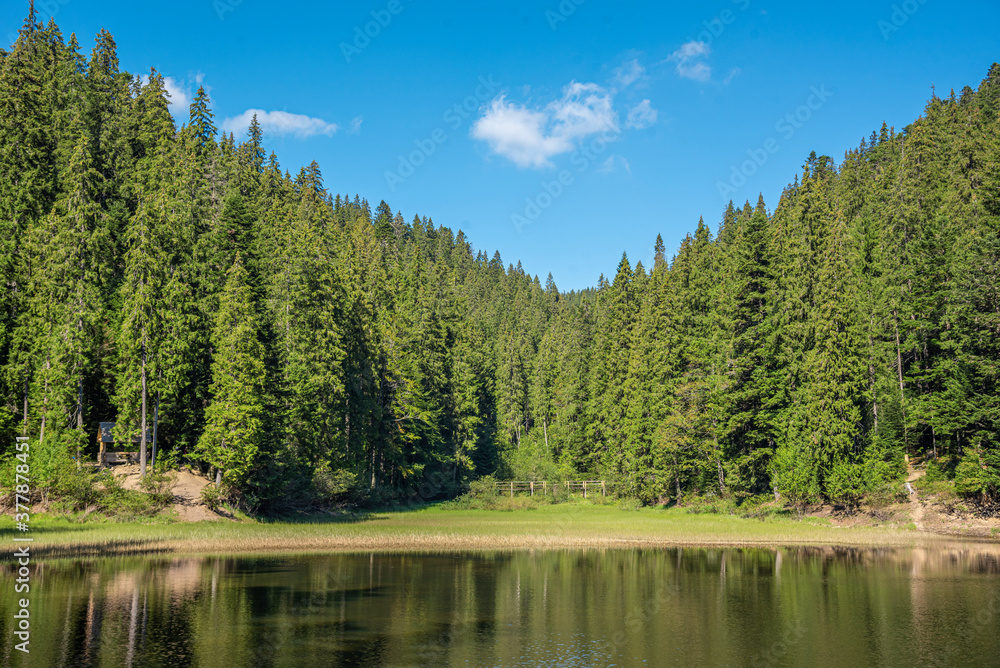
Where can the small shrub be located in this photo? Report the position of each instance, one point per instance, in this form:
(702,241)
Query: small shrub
(759,507)
(558,493)
(79,491)
(880,498)
(943,490)
(484,489)
(126,505)
(847,483)
(978,477)
(514,503)
(167,461)
(212,497)
(629,504)
(710,503)
(156,483)
(933,473)
(331,487)
(51,463)
(793,474)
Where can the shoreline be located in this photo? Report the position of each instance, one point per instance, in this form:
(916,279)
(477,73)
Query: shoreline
(437,530)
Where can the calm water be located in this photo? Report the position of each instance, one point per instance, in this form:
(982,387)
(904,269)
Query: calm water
(673,607)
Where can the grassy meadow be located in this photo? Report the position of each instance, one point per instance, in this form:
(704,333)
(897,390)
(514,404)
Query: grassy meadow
(446,527)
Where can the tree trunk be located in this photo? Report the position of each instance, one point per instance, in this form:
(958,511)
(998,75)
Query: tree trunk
(156,423)
(79,404)
(545,430)
(142,421)
(899,369)
(871,376)
(677,480)
(722,480)
(79,417)
(45,398)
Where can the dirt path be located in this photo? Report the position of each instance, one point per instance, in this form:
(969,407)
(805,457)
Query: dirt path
(186,488)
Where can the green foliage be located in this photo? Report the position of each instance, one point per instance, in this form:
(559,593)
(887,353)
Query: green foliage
(939,489)
(531,461)
(879,498)
(794,475)
(213,497)
(978,476)
(167,461)
(333,487)
(158,483)
(710,503)
(848,483)
(123,505)
(484,488)
(52,470)
(935,472)
(317,351)
(629,504)
(234,429)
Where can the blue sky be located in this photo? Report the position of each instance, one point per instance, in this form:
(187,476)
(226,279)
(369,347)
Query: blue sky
(559,133)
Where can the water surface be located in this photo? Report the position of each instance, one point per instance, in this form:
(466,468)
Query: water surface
(665,607)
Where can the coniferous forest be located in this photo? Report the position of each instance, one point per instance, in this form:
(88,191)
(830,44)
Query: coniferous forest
(301,345)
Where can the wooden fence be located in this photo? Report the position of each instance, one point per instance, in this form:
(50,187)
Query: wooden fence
(531,487)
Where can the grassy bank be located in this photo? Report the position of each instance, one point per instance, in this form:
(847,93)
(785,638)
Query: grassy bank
(436,528)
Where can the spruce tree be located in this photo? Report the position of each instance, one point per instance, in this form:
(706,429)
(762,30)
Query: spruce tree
(140,330)
(755,393)
(234,434)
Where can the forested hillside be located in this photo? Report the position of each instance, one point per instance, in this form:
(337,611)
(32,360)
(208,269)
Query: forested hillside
(299,343)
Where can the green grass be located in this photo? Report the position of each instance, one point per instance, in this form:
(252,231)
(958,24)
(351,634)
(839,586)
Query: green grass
(437,528)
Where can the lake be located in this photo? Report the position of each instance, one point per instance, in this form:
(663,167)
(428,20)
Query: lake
(658,607)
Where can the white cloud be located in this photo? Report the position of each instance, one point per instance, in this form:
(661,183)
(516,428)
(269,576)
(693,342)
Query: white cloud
(531,137)
(642,116)
(280,123)
(629,73)
(690,61)
(180,92)
(180,95)
(613,163)
(356,125)
(733,73)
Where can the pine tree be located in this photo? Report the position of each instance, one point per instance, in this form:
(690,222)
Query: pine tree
(755,394)
(250,156)
(234,434)
(384,222)
(66,251)
(140,329)
(27,190)
(306,299)
(202,123)
(617,310)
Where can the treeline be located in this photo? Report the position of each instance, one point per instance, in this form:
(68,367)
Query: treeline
(301,346)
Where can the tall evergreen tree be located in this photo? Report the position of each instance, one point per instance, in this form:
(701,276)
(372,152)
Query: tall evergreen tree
(755,393)
(234,421)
